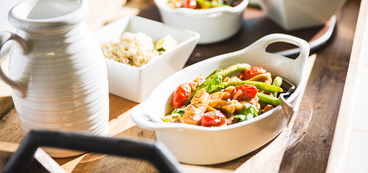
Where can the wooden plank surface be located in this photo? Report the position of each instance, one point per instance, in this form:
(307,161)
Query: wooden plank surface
(299,150)
(325,89)
(340,155)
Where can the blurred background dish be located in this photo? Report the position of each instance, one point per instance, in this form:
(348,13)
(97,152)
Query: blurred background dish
(213,25)
(137,83)
(299,14)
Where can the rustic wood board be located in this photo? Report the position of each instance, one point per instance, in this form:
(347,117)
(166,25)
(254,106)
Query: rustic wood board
(341,147)
(121,126)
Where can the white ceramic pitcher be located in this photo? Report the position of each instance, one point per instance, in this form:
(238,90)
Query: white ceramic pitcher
(57,70)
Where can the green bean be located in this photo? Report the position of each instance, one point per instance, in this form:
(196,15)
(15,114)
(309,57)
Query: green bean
(276,82)
(234,68)
(229,70)
(268,99)
(204,4)
(258,85)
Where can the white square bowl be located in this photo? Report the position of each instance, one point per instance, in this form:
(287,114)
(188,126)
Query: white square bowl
(300,14)
(137,83)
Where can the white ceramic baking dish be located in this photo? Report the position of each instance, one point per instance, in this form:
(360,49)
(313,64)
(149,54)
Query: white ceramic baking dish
(214,25)
(203,145)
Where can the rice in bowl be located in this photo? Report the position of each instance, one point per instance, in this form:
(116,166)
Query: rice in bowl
(135,49)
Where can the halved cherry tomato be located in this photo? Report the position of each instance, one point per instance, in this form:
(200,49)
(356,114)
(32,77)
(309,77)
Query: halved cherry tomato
(181,95)
(251,72)
(244,92)
(192,4)
(213,118)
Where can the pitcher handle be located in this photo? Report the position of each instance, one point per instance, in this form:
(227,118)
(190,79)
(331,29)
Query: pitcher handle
(16,85)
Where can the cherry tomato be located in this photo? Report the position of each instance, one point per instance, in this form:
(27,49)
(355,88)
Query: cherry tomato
(192,4)
(244,92)
(250,73)
(181,95)
(213,118)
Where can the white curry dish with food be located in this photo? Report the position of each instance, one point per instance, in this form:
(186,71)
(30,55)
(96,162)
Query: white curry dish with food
(221,99)
(202,4)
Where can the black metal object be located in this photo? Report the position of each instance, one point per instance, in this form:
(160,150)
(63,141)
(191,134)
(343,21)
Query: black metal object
(153,152)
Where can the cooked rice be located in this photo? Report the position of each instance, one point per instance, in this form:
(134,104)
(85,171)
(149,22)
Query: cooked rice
(135,49)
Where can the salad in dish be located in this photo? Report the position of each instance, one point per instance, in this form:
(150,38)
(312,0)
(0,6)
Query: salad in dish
(202,4)
(221,99)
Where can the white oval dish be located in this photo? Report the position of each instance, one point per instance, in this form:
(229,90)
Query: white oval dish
(214,25)
(202,145)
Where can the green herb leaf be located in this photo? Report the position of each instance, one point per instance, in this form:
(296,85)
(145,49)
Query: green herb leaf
(248,112)
(249,109)
(178,112)
(215,84)
(240,118)
(161,49)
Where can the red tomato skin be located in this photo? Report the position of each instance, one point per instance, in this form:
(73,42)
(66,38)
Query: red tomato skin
(251,72)
(213,118)
(181,95)
(191,4)
(247,92)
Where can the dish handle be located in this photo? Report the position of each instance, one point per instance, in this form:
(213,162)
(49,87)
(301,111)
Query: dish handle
(301,63)
(137,115)
(261,45)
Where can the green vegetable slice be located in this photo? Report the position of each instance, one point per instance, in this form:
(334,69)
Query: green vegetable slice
(268,99)
(276,82)
(248,112)
(258,85)
(166,43)
(178,112)
(166,118)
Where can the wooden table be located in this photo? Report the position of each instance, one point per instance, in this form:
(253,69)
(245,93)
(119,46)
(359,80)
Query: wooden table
(303,147)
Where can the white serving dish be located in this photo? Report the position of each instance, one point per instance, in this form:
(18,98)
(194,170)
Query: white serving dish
(214,25)
(299,14)
(202,145)
(136,84)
